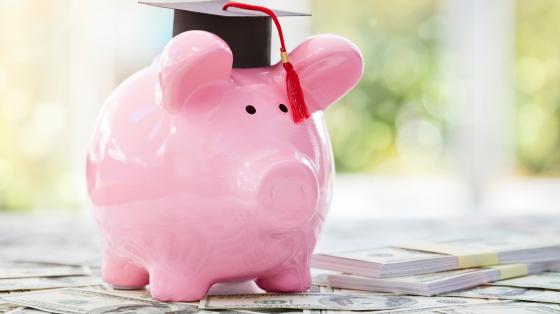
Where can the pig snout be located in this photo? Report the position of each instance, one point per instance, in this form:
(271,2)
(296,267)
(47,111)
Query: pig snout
(288,192)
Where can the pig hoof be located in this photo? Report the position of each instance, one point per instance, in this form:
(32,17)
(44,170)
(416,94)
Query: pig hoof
(122,274)
(286,281)
(177,288)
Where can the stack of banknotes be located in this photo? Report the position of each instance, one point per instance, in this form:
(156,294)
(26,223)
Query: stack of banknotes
(436,267)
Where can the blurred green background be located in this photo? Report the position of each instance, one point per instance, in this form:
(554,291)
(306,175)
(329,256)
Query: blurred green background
(395,112)
(393,123)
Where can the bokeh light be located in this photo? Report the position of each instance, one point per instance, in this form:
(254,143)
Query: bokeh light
(392,122)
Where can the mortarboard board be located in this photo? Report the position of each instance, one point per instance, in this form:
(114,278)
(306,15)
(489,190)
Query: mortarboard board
(248,33)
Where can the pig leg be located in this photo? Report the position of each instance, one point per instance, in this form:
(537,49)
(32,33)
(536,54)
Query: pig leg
(175,285)
(121,273)
(292,278)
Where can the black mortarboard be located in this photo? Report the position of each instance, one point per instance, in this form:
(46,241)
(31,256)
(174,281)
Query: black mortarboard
(247,33)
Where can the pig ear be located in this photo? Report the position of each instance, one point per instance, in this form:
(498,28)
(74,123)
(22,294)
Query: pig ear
(189,62)
(328,66)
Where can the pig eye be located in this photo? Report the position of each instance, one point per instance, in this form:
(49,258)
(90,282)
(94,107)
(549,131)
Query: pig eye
(250,109)
(283,108)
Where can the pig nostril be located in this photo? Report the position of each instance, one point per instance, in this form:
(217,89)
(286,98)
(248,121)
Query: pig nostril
(283,108)
(250,109)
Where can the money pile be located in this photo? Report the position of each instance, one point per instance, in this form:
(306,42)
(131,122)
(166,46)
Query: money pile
(319,300)
(49,288)
(54,269)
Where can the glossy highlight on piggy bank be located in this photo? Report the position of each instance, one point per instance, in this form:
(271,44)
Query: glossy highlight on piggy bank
(197,173)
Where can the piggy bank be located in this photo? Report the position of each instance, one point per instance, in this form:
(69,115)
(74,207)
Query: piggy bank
(197,173)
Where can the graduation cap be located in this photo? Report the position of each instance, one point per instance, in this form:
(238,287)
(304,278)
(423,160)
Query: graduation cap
(247,30)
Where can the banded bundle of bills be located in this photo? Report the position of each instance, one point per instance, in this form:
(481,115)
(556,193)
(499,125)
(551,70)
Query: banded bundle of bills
(436,283)
(428,257)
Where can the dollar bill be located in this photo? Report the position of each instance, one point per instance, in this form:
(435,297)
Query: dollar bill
(423,305)
(510,308)
(326,289)
(329,301)
(78,301)
(432,310)
(511,293)
(401,311)
(42,271)
(48,283)
(52,254)
(549,280)
(7,307)
(406,311)
(421,310)
(135,294)
(144,294)
(25,310)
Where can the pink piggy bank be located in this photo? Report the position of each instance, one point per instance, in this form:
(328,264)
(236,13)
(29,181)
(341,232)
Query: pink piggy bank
(198,175)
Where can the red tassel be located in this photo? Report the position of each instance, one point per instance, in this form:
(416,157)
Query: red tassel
(299,110)
(293,87)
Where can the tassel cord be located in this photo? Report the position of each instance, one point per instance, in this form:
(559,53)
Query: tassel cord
(293,86)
